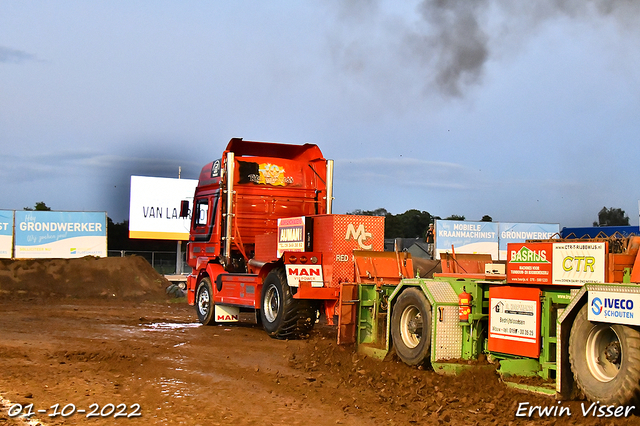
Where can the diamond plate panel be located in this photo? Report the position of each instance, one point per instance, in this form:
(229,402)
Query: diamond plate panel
(446,331)
(614,288)
(447,334)
(442,292)
(576,298)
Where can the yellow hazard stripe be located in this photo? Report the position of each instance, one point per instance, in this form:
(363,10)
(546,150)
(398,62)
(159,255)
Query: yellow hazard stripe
(180,236)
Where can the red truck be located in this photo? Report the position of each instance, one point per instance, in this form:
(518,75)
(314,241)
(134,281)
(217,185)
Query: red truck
(263,238)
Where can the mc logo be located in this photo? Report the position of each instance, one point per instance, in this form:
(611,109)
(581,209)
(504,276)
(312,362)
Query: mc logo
(360,234)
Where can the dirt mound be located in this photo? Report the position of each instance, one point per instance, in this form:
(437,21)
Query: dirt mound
(409,395)
(119,278)
(405,395)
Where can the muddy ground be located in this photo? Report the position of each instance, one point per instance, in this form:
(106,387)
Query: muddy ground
(101,331)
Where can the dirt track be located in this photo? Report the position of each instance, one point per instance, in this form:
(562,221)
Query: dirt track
(136,348)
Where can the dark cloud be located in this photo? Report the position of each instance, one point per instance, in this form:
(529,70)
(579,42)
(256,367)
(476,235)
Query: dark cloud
(14,56)
(456,44)
(448,43)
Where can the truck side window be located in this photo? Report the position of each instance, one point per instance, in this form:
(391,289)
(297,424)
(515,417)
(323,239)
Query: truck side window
(202,212)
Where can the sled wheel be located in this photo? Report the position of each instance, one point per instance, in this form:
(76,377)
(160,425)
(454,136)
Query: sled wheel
(411,326)
(605,360)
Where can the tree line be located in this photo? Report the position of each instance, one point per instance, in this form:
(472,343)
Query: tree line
(410,224)
(414,223)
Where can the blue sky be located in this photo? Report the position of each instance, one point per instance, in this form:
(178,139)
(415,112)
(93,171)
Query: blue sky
(523,111)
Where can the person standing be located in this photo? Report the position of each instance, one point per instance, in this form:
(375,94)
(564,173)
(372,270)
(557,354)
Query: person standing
(431,238)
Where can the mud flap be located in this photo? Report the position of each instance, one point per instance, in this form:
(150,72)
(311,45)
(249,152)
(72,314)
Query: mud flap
(226,313)
(348,307)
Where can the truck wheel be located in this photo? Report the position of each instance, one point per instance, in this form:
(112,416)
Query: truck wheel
(411,326)
(204,302)
(605,360)
(282,316)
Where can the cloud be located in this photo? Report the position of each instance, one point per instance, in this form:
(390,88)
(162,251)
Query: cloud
(402,173)
(13,56)
(408,172)
(29,168)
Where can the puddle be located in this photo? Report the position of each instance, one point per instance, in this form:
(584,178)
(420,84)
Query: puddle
(170,325)
(173,387)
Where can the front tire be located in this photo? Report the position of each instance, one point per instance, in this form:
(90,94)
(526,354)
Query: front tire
(605,360)
(204,302)
(411,326)
(282,316)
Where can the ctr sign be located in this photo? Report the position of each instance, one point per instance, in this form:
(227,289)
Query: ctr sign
(579,263)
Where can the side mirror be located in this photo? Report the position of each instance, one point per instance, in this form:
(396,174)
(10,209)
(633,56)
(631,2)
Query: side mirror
(184,209)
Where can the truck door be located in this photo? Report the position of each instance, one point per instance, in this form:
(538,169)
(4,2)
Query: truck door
(204,238)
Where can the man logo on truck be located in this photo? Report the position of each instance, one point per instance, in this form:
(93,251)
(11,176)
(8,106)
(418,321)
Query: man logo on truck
(360,234)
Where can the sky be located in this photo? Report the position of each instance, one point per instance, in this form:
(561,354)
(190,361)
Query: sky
(523,111)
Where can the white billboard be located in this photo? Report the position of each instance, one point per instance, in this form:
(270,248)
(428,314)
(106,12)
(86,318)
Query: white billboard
(154,209)
(47,234)
(6,233)
(521,232)
(488,237)
(467,237)
(582,262)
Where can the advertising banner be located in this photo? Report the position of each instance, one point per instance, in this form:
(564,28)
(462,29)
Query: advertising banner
(291,234)
(467,237)
(6,233)
(514,320)
(154,209)
(530,263)
(47,234)
(618,308)
(579,263)
(520,232)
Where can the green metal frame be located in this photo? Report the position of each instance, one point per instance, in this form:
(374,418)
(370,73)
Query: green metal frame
(558,307)
(545,366)
(374,329)
(374,323)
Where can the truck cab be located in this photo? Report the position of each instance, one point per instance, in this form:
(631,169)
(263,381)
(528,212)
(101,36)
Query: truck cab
(232,245)
(245,192)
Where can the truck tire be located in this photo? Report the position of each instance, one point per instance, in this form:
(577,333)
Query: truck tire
(204,302)
(282,316)
(411,326)
(605,360)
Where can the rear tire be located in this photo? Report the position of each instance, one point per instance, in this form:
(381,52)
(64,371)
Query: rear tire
(605,360)
(204,302)
(282,316)
(411,326)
